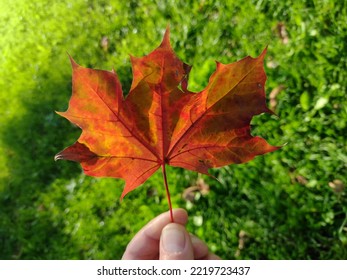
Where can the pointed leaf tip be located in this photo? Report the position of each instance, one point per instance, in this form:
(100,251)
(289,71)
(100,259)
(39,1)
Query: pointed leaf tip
(263,53)
(73,62)
(124,193)
(166,38)
(58,157)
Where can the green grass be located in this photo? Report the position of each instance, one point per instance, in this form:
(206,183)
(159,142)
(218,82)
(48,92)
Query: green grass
(278,206)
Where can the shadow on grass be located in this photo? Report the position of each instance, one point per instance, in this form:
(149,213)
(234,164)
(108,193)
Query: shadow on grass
(31,140)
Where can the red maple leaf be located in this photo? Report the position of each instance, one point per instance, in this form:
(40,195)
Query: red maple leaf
(161,122)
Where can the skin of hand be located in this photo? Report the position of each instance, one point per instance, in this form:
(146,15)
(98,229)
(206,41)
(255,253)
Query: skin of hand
(162,240)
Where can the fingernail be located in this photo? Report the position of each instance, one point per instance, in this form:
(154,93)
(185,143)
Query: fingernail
(173,238)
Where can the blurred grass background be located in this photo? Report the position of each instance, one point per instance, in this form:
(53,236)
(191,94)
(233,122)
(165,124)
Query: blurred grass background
(290,204)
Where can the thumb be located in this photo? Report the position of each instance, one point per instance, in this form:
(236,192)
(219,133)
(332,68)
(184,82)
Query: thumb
(175,243)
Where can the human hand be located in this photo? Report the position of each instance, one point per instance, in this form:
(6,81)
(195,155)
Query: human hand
(162,240)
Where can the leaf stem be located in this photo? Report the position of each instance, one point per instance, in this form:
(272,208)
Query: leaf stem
(167,191)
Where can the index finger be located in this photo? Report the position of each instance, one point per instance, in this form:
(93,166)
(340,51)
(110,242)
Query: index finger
(145,244)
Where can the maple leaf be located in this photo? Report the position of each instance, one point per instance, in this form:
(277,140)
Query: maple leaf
(161,122)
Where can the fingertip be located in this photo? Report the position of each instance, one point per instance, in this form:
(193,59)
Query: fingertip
(201,251)
(180,216)
(145,244)
(155,227)
(175,243)
(200,248)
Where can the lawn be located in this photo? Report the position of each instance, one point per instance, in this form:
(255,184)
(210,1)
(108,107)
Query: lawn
(289,204)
